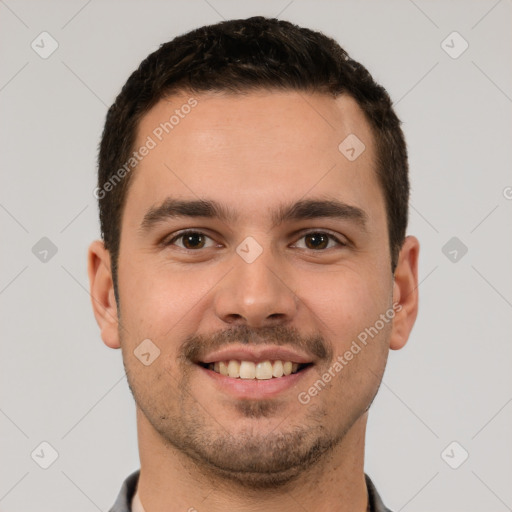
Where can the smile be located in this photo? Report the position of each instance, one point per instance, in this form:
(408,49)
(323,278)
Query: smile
(248,370)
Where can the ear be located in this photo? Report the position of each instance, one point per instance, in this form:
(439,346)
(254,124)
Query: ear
(405,293)
(102,293)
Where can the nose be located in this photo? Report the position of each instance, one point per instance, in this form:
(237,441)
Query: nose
(256,294)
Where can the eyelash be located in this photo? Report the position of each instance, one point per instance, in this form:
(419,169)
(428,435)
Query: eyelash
(196,232)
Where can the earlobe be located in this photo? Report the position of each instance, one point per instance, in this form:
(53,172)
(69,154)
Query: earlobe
(102,293)
(405,293)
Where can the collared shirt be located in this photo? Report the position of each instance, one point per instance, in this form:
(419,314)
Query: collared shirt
(124,499)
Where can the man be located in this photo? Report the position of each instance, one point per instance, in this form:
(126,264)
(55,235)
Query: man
(254,269)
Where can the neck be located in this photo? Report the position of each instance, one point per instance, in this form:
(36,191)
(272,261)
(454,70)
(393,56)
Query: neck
(170,481)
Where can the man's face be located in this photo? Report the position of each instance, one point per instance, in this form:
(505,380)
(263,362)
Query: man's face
(247,283)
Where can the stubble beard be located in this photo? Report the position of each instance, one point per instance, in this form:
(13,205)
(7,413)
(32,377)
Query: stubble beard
(253,450)
(249,457)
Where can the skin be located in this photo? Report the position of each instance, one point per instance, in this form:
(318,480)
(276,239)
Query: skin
(254,153)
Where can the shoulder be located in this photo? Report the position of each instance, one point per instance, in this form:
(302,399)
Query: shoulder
(375,503)
(124,498)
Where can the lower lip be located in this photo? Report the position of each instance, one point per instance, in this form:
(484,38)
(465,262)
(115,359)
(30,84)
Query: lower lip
(254,388)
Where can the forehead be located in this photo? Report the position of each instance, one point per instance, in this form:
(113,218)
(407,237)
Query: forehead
(254,150)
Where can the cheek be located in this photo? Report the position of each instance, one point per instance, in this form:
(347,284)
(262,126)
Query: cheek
(344,302)
(157,301)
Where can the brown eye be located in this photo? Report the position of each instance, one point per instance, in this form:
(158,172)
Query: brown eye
(319,240)
(193,240)
(316,240)
(190,240)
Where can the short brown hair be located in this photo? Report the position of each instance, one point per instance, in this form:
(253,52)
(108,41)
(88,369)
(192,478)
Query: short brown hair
(240,56)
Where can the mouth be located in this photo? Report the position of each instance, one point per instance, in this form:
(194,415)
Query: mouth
(254,380)
(255,370)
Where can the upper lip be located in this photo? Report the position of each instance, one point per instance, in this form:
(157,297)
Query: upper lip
(256,354)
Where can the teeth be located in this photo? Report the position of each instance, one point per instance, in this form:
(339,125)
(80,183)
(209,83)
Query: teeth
(277,369)
(223,368)
(249,370)
(233,369)
(264,370)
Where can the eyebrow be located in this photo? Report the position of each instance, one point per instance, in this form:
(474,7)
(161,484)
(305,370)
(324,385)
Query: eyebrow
(173,208)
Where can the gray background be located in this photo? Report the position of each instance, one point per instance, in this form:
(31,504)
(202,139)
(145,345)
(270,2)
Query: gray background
(452,382)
